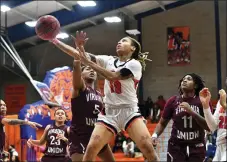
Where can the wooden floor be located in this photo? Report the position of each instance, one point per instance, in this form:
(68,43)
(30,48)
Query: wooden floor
(121,157)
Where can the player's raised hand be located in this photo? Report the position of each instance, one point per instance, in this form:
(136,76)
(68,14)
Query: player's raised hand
(34,125)
(62,137)
(29,142)
(80,39)
(222,94)
(83,56)
(205,97)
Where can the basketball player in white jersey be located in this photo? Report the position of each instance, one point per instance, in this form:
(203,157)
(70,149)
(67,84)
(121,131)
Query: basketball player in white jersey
(218,121)
(122,75)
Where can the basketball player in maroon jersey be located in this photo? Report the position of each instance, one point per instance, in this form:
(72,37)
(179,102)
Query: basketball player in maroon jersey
(86,105)
(186,143)
(56,138)
(4,121)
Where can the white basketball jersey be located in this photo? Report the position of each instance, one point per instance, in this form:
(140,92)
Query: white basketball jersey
(121,92)
(221,120)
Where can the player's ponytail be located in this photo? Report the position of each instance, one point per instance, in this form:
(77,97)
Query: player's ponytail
(137,54)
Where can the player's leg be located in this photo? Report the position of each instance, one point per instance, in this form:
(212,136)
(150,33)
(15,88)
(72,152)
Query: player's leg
(217,156)
(101,135)
(77,157)
(197,153)
(106,154)
(76,147)
(139,133)
(175,153)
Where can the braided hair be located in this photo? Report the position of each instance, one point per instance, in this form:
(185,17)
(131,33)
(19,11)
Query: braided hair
(198,81)
(137,54)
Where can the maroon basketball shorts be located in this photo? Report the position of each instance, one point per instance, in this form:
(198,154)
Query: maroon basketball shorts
(185,153)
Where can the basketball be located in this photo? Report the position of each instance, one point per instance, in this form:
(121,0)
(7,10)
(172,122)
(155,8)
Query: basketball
(47,27)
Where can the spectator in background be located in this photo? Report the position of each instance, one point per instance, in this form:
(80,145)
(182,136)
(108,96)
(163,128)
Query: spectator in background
(5,157)
(161,103)
(118,142)
(210,146)
(148,107)
(13,154)
(128,148)
(155,113)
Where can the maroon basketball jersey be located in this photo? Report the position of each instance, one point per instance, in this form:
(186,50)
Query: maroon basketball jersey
(85,110)
(54,146)
(2,134)
(185,129)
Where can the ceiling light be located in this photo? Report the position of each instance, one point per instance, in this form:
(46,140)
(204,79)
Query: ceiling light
(31,23)
(113,19)
(62,35)
(87,3)
(133,32)
(4,8)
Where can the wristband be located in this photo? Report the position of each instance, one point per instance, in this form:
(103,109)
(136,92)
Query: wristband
(155,135)
(55,41)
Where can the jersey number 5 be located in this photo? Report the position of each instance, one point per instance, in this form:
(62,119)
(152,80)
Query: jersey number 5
(115,87)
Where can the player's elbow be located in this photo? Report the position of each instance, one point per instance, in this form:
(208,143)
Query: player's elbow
(116,76)
(212,129)
(112,77)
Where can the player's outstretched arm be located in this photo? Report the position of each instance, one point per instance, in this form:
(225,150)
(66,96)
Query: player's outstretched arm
(212,120)
(161,126)
(164,120)
(78,82)
(65,48)
(20,122)
(109,75)
(70,50)
(205,97)
(39,142)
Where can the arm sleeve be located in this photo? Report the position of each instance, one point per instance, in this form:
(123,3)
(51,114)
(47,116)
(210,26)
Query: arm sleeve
(212,120)
(125,72)
(169,108)
(102,60)
(135,67)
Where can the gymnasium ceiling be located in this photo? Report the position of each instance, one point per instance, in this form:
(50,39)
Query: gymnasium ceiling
(72,16)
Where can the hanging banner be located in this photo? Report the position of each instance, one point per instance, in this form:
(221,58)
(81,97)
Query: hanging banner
(178,46)
(15,98)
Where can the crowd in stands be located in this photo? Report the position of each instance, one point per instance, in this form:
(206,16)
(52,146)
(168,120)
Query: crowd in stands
(11,155)
(152,110)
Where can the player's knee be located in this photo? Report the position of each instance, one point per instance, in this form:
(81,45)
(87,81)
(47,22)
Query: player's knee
(91,148)
(149,150)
